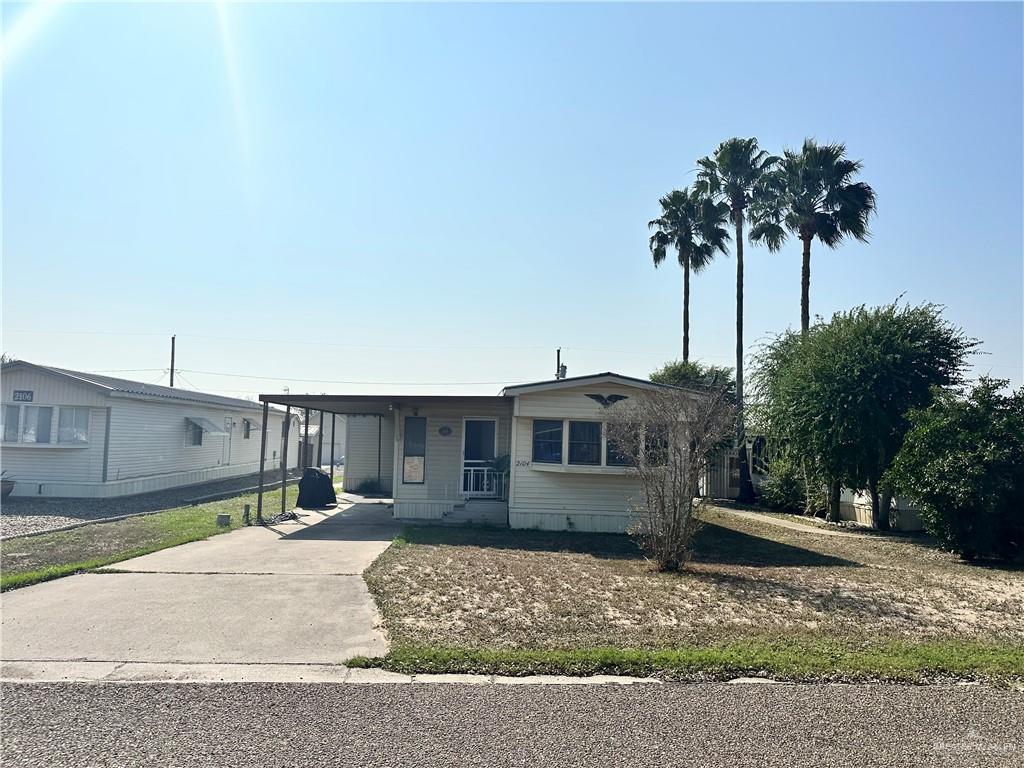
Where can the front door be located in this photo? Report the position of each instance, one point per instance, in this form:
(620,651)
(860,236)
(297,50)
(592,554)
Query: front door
(479,438)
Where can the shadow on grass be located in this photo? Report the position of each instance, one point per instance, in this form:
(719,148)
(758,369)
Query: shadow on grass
(714,545)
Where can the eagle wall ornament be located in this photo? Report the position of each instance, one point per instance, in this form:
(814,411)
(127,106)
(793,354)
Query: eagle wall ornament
(606,400)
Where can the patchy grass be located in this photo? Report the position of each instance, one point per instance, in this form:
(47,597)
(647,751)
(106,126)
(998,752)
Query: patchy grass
(794,661)
(757,596)
(32,559)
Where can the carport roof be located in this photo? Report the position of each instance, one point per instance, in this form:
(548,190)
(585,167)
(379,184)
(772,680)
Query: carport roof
(373,405)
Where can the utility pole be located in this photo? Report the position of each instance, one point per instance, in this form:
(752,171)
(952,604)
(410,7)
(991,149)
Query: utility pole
(172,361)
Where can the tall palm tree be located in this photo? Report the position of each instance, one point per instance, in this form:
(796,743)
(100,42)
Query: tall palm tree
(732,174)
(695,226)
(812,194)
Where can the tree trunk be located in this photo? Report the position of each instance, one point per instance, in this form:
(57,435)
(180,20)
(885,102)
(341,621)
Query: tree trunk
(884,506)
(746,495)
(834,490)
(875,517)
(686,310)
(805,288)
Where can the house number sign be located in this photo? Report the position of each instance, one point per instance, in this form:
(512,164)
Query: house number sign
(23,395)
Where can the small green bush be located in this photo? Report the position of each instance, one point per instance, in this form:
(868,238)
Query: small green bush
(783,487)
(962,466)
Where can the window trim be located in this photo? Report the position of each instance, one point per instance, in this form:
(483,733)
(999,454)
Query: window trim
(562,453)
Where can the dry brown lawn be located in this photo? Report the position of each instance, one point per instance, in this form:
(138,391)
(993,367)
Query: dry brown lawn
(478,588)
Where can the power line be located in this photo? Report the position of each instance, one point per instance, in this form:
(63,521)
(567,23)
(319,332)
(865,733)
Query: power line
(335,381)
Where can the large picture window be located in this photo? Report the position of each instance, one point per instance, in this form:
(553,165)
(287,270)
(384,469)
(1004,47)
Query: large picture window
(585,442)
(36,424)
(620,455)
(414,449)
(547,441)
(73,425)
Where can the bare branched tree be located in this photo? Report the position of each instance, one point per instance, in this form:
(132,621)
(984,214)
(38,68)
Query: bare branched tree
(666,437)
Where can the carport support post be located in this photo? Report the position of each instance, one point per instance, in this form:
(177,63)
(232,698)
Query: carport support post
(305,442)
(334,419)
(263,458)
(380,420)
(320,443)
(284,456)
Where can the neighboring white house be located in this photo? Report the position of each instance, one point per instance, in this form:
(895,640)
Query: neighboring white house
(536,454)
(74,434)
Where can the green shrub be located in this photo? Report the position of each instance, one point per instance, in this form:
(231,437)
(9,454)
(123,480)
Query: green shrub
(783,487)
(962,466)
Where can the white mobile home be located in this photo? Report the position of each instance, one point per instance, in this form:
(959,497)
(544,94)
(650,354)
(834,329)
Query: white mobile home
(534,456)
(73,434)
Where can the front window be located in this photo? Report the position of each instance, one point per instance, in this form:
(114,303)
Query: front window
(195,434)
(620,455)
(246,429)
(585,442)
(73,425)
(36,423)
(415,450)
(12,420)
(547,441)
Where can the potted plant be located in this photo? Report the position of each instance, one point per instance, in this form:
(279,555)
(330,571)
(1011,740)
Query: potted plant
(6,484)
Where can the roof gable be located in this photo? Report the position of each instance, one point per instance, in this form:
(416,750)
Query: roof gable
(607,377)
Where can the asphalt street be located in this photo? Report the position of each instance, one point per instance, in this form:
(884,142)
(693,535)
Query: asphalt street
(250,725)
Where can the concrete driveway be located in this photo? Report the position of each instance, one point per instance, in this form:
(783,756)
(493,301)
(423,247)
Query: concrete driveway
(256,603)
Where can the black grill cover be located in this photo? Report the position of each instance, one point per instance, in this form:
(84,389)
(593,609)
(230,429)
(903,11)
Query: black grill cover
(315,490)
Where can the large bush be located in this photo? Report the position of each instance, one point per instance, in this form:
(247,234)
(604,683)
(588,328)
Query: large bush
(962,465)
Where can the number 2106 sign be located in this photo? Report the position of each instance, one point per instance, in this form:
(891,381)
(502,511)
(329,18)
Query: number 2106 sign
(23,395)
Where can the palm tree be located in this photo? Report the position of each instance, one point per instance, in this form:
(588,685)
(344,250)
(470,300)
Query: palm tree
(695,226)
(812,194)
(732,174)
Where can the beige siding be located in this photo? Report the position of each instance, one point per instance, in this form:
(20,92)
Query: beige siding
(585,499)
(362,434)
(443,461)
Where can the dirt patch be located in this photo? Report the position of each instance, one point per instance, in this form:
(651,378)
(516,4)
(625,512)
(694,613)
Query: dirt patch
(526,589)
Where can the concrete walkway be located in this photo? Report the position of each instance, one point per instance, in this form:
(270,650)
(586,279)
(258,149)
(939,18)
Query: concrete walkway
(793,526)
(283,596)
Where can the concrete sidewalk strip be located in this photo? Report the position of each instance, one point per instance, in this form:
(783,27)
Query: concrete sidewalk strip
(140,673)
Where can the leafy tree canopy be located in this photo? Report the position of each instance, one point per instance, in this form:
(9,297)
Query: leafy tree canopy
(962,465)
(696,375)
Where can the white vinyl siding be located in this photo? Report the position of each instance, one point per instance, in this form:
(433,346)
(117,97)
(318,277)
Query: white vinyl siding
(443,464)
(368,445)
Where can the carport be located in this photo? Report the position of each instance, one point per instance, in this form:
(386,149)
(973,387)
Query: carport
(336,405)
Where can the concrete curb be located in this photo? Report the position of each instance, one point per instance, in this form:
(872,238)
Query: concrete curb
(159,672)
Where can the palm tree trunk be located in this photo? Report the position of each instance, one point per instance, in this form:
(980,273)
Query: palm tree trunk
(805,288)
(686,310)
(746,494)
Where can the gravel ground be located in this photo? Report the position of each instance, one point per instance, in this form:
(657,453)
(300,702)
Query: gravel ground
(30,514)
(444,725)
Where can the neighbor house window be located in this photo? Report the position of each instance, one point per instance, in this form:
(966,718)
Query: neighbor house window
(36,423)
(585,442)
(246,429)
(415,449)
(547,441)
(195,434)
(12,420)
(73,425)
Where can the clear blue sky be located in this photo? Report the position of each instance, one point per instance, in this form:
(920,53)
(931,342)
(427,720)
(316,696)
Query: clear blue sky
(448,193)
